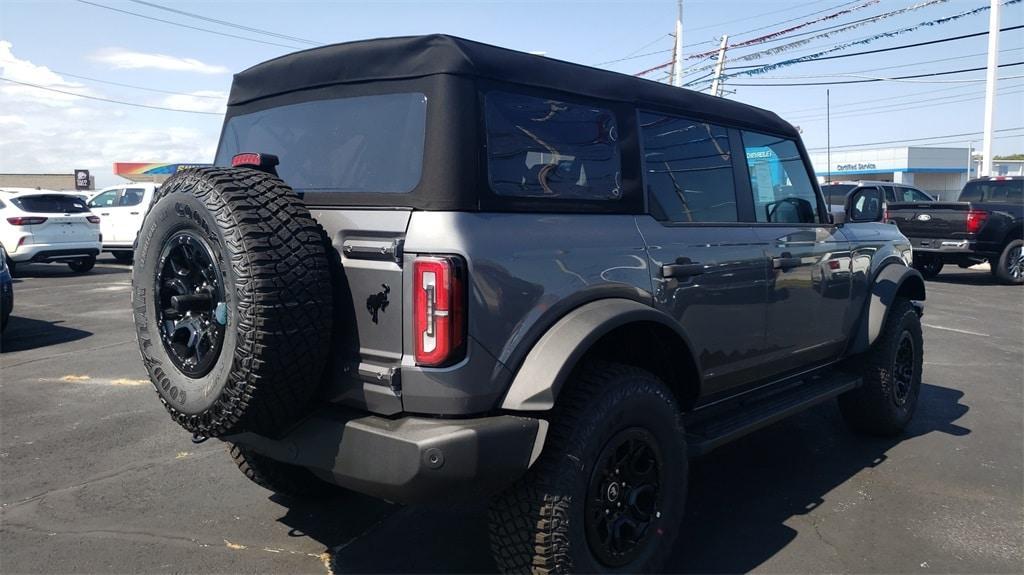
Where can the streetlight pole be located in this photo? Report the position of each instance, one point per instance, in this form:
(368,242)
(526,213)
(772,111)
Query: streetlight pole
(990,88)
(677,61)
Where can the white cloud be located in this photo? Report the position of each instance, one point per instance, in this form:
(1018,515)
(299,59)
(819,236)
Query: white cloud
(48,132)
(128,60)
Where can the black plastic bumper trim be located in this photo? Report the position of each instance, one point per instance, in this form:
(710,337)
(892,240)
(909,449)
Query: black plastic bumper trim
(410,459)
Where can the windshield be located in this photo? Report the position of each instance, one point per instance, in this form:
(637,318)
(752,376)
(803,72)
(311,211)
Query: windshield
(363,144)
(994,191)
(51,204)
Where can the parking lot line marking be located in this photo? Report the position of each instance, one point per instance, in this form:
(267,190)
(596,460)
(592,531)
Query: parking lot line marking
(956,330)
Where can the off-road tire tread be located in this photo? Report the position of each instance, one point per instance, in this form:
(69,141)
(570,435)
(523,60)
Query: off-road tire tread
(861,407)
(284,304)
(527,521)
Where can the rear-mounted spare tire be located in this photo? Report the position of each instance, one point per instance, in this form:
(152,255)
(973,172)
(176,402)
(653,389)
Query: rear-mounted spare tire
(231,293)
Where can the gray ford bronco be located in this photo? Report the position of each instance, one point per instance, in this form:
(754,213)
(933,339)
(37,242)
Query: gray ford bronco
(426,268)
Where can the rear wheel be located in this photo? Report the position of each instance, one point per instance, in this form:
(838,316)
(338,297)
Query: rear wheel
(887,398)
(608,491)
(928,264)
(290,480)
(1009,269)
(83,265)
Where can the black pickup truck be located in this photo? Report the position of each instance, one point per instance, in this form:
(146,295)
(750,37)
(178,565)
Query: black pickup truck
(984,225)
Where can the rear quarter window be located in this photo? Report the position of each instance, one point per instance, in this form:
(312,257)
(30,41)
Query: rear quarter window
(544,148)
(51,204)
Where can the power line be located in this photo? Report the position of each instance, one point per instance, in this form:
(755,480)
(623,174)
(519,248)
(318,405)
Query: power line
(157,90)
(895,107)
(891,48)
(894,78)
(634,54)
(227,23)
(180,25)
(122,102)
(864,144)
(861,102)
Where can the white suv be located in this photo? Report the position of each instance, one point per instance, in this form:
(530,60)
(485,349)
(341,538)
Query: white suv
(121,210)
(45,226)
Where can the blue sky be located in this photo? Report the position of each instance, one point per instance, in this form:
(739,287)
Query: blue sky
(50,42)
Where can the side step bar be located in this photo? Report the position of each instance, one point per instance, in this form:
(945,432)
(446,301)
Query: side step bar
(708,431)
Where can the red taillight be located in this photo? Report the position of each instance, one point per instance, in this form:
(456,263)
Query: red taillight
(93,219)
(833,264)
(975,218)
(885,212)
(439,302)
(246,160)
(25,221)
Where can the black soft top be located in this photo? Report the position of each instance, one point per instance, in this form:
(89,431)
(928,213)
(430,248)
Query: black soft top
(420,56)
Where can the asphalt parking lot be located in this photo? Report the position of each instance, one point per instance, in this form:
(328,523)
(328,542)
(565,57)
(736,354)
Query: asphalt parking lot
(96,477)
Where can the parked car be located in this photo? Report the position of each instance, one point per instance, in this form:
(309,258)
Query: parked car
(121,210)
(985,225)
(45,226)
(6,290)
(493,274)
(835,192)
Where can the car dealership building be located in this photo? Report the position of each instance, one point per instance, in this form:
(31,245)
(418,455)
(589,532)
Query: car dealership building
(939,171)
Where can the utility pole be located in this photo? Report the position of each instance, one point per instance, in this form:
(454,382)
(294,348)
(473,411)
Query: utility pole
(828,136)
(716,84)
(990,87)
(677,52)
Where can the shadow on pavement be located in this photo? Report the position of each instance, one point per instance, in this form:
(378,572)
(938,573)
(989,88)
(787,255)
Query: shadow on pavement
(739,501)
(964,277)
(23,334)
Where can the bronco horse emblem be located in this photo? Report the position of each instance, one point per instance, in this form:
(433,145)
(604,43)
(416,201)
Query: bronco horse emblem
(378,302)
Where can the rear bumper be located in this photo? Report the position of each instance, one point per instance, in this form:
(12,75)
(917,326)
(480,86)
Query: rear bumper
(409,459)
(942,246)
(42,253)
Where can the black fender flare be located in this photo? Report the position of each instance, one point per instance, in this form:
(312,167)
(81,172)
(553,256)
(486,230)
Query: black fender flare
(552,359)
(891,280)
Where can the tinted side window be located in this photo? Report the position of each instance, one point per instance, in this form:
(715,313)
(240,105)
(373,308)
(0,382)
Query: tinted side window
(911,195)
(688,168)
(105,200)
(783,192)
(132,197)
(540,148)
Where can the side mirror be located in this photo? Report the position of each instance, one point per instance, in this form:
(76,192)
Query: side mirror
(865,205)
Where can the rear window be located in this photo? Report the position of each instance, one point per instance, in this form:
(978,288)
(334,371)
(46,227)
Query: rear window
(994,191)
(543,148)
(51,204)
(363,144)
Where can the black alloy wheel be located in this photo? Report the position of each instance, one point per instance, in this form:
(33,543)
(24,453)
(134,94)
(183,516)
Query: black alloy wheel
(190,304)
(1015,263)
(623,497)
(903,369)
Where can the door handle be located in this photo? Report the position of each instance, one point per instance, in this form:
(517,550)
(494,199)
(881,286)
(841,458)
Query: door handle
(681,270)
(104,213)
(785,262)
(134,213)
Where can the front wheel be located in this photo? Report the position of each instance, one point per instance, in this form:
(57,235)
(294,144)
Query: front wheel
(1009,269)
(608,492)
(887,398)
(928,265)
(83,265)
